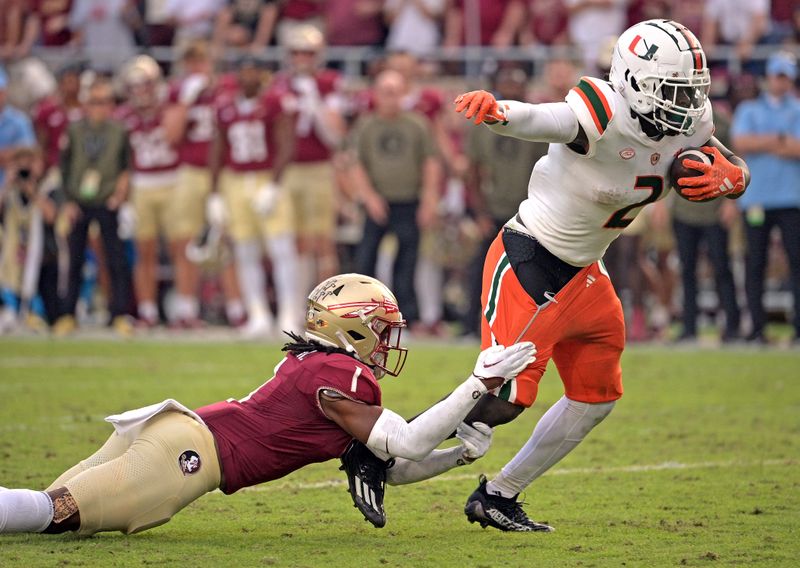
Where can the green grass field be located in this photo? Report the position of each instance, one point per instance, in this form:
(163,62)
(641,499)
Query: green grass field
(698,465)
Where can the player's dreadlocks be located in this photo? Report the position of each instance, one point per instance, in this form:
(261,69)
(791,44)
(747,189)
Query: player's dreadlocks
(302,345)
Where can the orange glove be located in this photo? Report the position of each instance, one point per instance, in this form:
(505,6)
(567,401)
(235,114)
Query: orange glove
(482,105)
(720,178)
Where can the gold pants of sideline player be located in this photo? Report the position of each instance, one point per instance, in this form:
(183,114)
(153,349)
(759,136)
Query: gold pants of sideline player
(133,485)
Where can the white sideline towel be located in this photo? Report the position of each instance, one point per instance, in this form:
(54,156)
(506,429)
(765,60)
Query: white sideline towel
(130,423)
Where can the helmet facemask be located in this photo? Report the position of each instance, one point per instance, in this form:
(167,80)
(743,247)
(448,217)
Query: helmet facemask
(678,104)
(389,357)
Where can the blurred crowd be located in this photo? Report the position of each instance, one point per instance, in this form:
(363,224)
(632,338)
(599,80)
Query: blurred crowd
(215,188)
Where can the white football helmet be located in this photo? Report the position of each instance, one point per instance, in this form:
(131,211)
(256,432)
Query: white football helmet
(359,314)
(659,67)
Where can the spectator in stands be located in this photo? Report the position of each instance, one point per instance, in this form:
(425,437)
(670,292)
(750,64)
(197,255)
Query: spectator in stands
(47,23)
(193,19)
(414,25)
(591,24)
(11,27)
(105,30)
(546,23)
(690,13)
(94,167)
(738,23)
(706,223)
(485,22)
(499,170)
(316,97)
(246,24)
(766,132)
(294,13)
(354,23)
(397,176)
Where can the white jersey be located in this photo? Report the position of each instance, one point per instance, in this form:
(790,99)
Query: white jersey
(578,204)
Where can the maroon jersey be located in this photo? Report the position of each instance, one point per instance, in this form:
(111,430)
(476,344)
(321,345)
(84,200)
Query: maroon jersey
(300,9)
(248,127)
(309,147)
(51,117)
(280,427)
(150,151)
(196,143)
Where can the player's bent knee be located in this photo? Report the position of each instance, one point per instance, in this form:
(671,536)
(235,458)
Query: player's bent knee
(592,412)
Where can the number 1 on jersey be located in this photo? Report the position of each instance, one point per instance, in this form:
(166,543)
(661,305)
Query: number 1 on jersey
(656,186)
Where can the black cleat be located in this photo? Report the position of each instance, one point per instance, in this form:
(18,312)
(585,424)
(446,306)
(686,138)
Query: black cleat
(502,513)
(366,481)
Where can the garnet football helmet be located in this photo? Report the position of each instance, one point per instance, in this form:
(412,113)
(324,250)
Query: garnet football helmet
(359,314)
(660,69)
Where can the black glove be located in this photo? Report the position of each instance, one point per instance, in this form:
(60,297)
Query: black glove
(366,480)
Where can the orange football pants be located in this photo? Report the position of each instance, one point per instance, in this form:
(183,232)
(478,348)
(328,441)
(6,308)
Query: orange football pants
(582,330)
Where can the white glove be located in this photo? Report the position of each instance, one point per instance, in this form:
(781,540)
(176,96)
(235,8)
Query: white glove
(216,212)
(191,88)
(266,198)
(126,221)
(475,439)
(504,362)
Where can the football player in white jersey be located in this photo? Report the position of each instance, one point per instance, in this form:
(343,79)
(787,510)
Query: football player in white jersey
(611,147)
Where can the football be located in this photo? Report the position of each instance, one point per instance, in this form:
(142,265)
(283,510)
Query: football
(677,170)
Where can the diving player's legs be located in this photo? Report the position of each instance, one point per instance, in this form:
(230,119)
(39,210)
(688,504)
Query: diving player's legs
(172,462)
(114,447)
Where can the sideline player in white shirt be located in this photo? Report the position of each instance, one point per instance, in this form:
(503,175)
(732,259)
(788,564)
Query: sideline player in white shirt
(611,147)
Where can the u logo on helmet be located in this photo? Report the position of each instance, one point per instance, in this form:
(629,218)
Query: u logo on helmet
(649,50)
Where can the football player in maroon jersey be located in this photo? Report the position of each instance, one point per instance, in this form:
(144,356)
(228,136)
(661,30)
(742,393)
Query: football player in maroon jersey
(189,126)
(253,144)
(324,393)
(154,176)
(315,96)
(54,113)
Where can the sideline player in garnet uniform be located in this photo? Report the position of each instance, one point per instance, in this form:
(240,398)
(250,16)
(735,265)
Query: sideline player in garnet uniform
(323,394)
(611,146)
(315,96)
(253,144)
(154,175)
(189,127)
(54,113)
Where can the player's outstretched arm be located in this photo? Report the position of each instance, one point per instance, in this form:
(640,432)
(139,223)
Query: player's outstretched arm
(547,122)
(476,439)
(387,434)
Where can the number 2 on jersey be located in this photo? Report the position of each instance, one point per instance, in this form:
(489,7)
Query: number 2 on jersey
(655,184)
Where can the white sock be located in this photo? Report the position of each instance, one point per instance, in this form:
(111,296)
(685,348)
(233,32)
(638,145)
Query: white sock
(189,307)
(234,310)
(429,283)
(24,510)
(148,311)
(251,279)
(306,277)
(561,428)
(283,252)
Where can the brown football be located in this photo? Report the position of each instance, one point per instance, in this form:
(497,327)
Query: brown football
(677,170)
